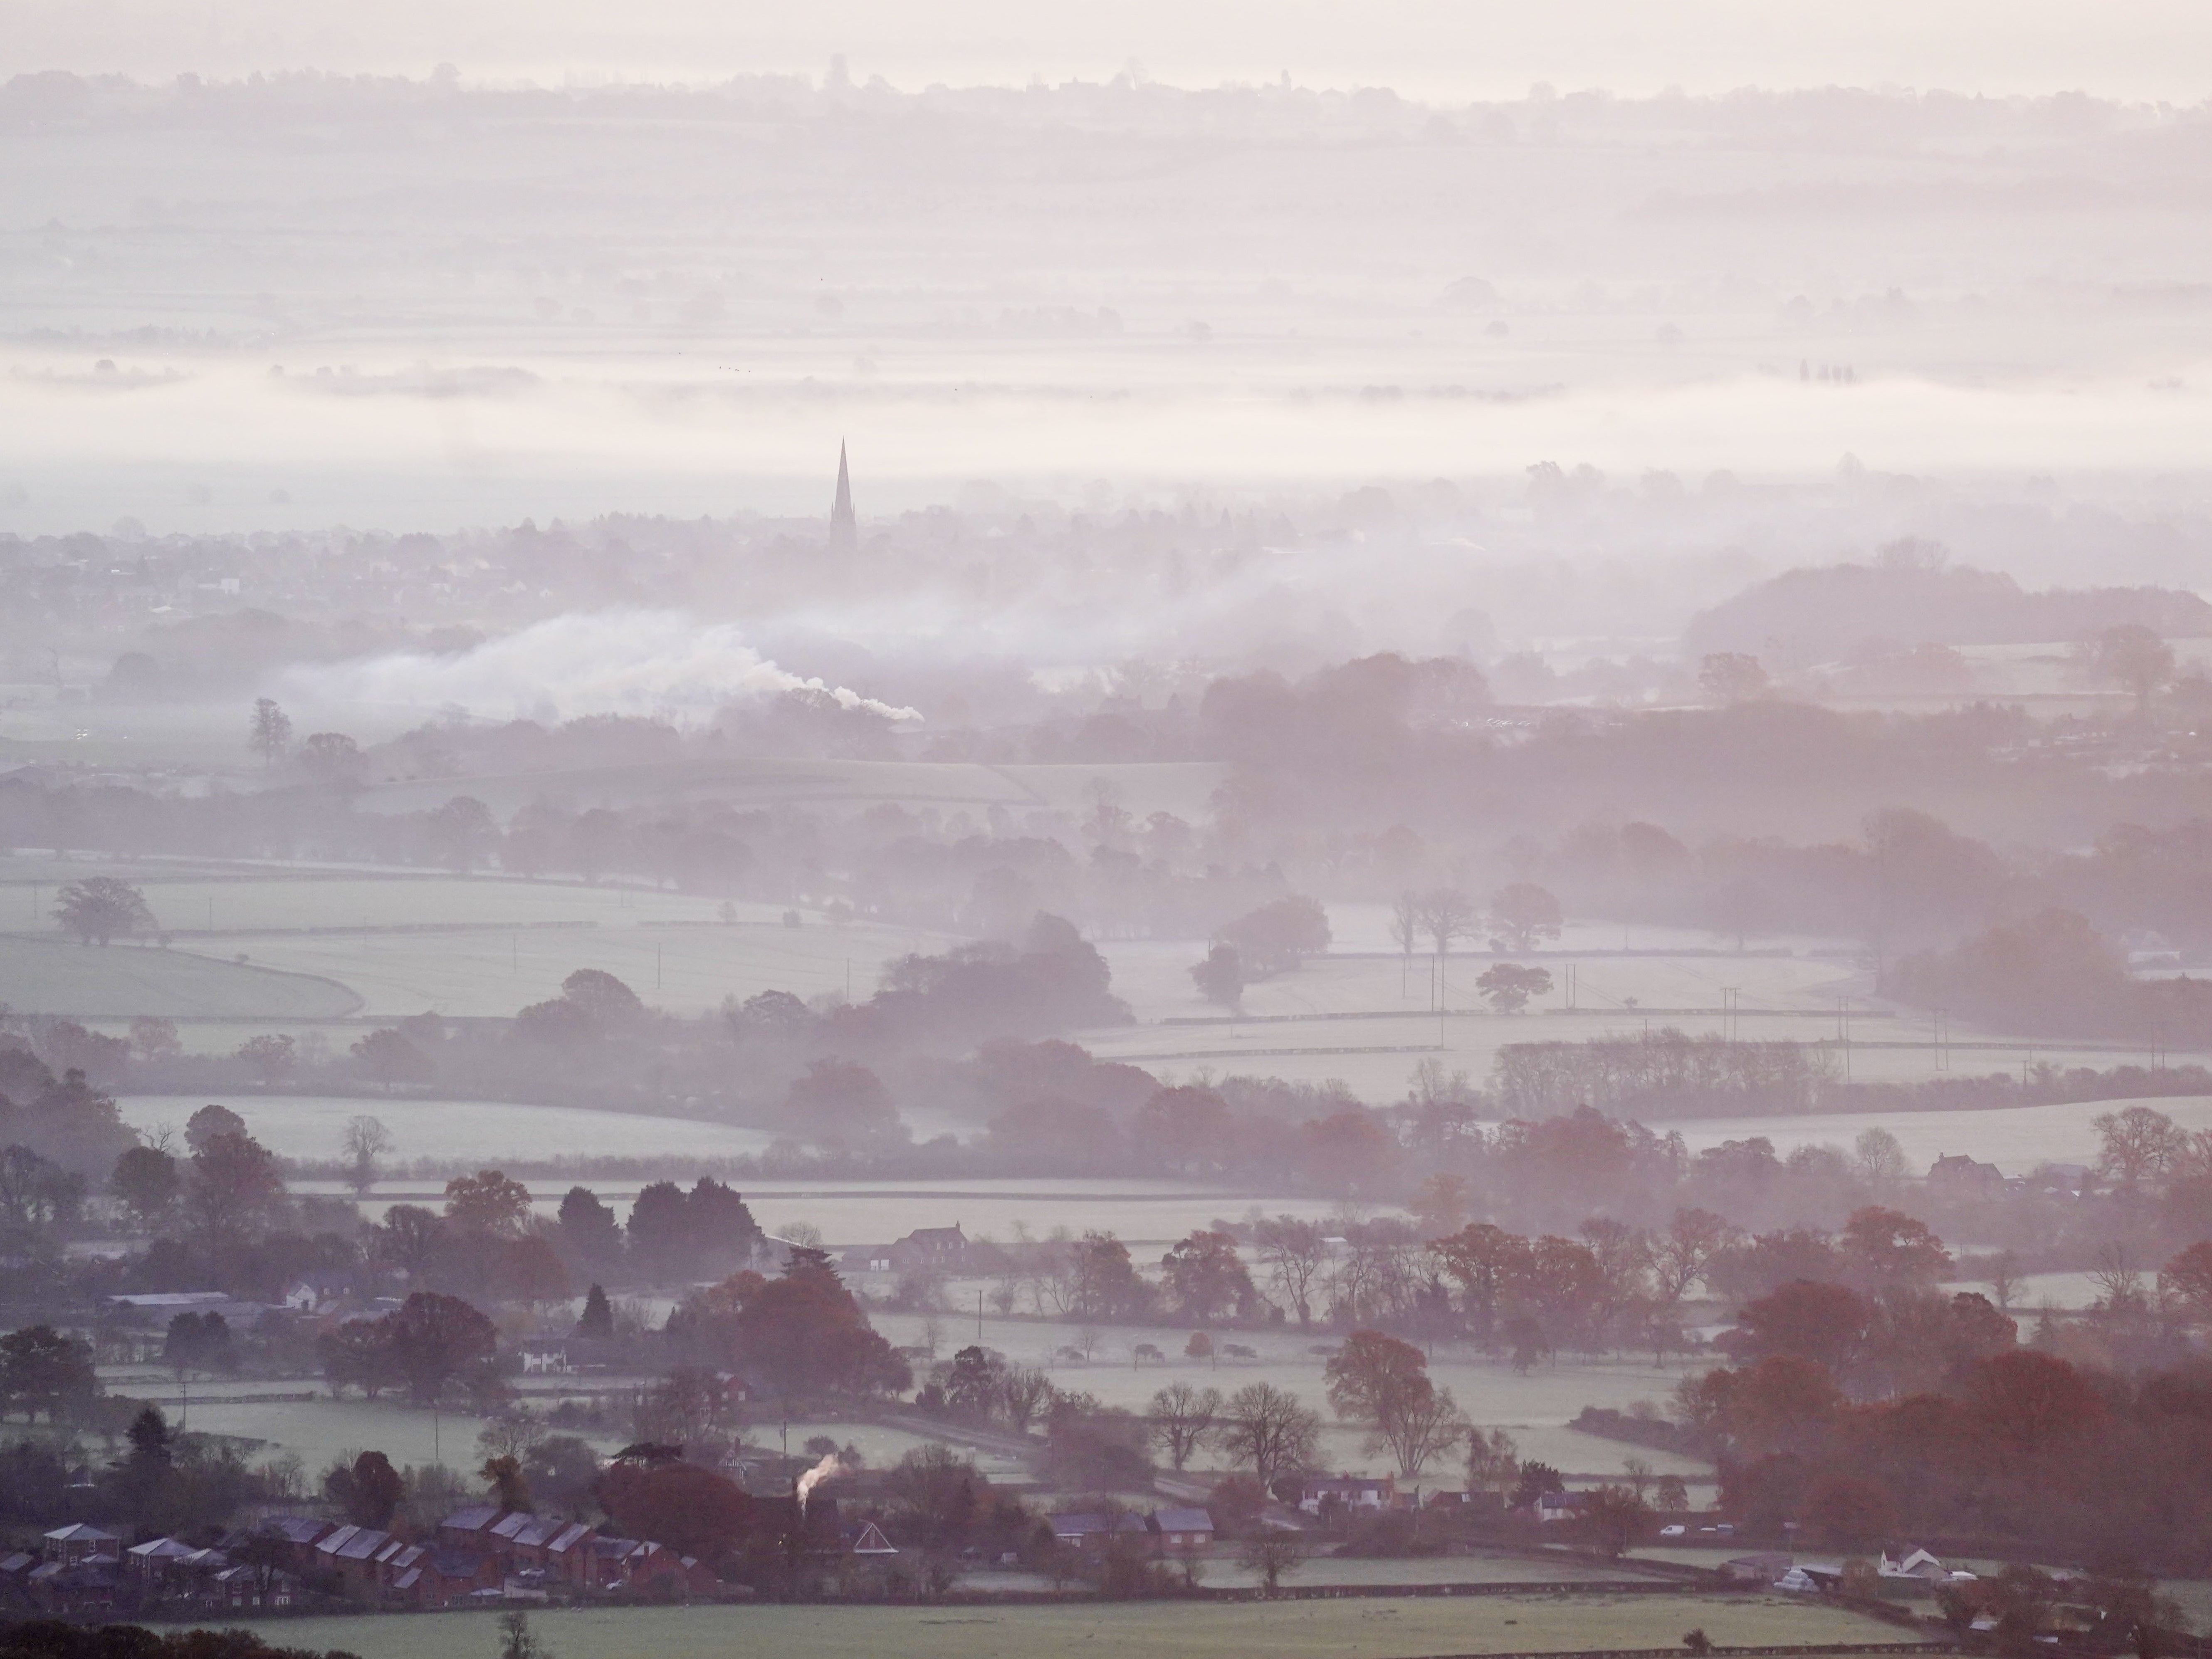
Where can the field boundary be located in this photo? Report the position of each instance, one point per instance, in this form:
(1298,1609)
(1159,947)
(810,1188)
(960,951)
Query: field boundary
(1719,1651)
(1516,1587)
(1273,1053)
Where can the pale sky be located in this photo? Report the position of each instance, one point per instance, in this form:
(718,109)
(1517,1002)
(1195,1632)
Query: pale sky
(2159,49)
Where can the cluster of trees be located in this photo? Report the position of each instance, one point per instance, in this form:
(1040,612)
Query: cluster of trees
(2012,1445)
(62,1118)
(2052,974)
(42,1369)
(1272,940)
(429,1344)
(1663,1073)
(797,1337)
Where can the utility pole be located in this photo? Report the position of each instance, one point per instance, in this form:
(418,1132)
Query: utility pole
(979,1314)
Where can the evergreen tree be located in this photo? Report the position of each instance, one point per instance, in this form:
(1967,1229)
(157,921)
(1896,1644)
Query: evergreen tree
(599,1316)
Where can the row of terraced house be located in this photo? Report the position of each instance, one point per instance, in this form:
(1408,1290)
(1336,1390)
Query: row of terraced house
(482,1553)
(487,1554)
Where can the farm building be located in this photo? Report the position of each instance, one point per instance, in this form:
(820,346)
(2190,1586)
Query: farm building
(1348,1492)
(926,1249)
(1180,1528)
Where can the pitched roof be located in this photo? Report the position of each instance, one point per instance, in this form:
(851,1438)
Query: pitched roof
(363,1545)
(296,1528)
(331,1543)
(1182,1521)
(1079,1524)
(509,1524)
(161,1549)
(474,1518)
(79,1532)
(569,1536)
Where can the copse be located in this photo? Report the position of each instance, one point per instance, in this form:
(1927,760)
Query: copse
(430,1344)
(2016,1441)
(102,908)
(1277,936)
(796,1337)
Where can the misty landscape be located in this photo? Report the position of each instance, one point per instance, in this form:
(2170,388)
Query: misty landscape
(898,840)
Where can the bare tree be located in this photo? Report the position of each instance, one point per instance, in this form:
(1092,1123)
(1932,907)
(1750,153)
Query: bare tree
(272,734)
(1493,1462)
(1055,1279)
(1427,1427)
(1405,932)
(2001,1272)
(1023,1392)
(1183,1419)
(366,1139)
(1292,1251)
(1268,1428)
(1447,913)
(1273,1555)
(2140,1141)
(1680,1254)
(1881,1160)
(2117,1279)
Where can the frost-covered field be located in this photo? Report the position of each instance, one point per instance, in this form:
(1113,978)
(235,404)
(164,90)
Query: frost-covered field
(314,1127)
(2016,1139)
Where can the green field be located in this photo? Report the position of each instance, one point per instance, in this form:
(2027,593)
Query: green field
(53,975)
(1376,1628)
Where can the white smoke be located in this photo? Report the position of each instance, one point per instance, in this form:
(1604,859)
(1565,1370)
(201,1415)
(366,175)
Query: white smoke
(659,664)
(832,1464)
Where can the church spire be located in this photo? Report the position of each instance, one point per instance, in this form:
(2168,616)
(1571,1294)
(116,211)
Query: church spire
(844,529)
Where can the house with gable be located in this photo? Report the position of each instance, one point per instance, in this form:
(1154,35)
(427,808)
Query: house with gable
(926,1249)
(1180,1528)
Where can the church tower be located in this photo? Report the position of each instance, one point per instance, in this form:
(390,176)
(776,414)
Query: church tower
(844,529)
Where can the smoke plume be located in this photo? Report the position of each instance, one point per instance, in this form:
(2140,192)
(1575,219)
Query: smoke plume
(651,663)
(831,1465)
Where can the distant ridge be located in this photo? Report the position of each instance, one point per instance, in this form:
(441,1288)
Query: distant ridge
(1821,615)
